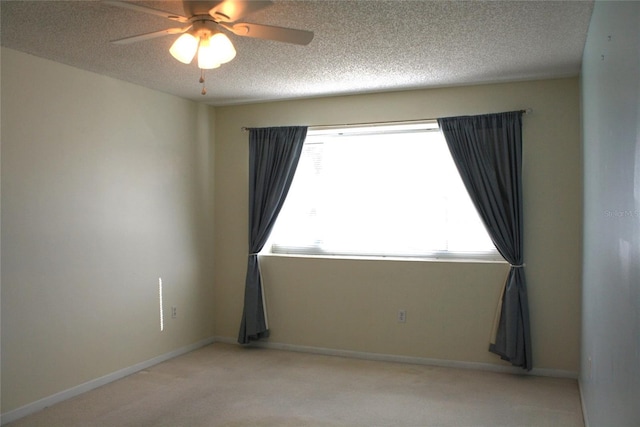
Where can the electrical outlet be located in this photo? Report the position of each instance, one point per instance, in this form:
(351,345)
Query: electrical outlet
(174,312)
(402,316)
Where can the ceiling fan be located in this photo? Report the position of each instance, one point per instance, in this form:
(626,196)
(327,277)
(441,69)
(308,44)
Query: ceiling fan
(205,24)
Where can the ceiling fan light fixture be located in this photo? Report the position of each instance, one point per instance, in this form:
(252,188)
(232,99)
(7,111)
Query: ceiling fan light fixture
(184,48)
(214,51)
(207,55)
(223,47)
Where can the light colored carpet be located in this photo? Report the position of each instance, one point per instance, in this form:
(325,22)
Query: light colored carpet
(228,385)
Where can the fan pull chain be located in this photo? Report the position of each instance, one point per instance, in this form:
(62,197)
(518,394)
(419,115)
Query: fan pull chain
(204,89)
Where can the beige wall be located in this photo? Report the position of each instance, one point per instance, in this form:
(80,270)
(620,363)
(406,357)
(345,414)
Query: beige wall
(106,187)
(352,304)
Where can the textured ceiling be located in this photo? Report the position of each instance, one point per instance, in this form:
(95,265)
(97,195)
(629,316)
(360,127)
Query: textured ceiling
(359,45)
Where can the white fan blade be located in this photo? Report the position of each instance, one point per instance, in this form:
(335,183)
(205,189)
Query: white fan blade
(232,10)
(153,35)
(168,15)
(269,32)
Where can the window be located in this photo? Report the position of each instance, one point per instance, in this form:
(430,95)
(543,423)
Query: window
(390,191)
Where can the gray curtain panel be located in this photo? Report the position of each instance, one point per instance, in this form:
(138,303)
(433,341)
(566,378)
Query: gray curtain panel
(487,151)
(273,157)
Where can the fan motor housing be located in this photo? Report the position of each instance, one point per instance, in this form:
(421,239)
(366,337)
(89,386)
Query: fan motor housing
(204,26)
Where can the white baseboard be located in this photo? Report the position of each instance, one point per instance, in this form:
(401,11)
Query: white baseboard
(38,405)
(585,419)
(555,373)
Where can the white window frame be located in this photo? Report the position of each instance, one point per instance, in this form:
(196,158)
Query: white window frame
(272,248)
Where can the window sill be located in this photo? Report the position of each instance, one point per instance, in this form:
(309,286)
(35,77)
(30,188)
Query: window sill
(454,259)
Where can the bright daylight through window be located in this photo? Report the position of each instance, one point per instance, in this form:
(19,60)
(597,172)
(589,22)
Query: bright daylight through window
(386,190)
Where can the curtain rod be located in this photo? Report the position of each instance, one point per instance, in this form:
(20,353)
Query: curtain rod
(246,129)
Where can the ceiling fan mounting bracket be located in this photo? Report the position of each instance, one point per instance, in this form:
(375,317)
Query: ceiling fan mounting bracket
(197,18)
(203,26)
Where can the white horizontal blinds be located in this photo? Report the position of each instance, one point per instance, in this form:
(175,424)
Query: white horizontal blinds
(389,190)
